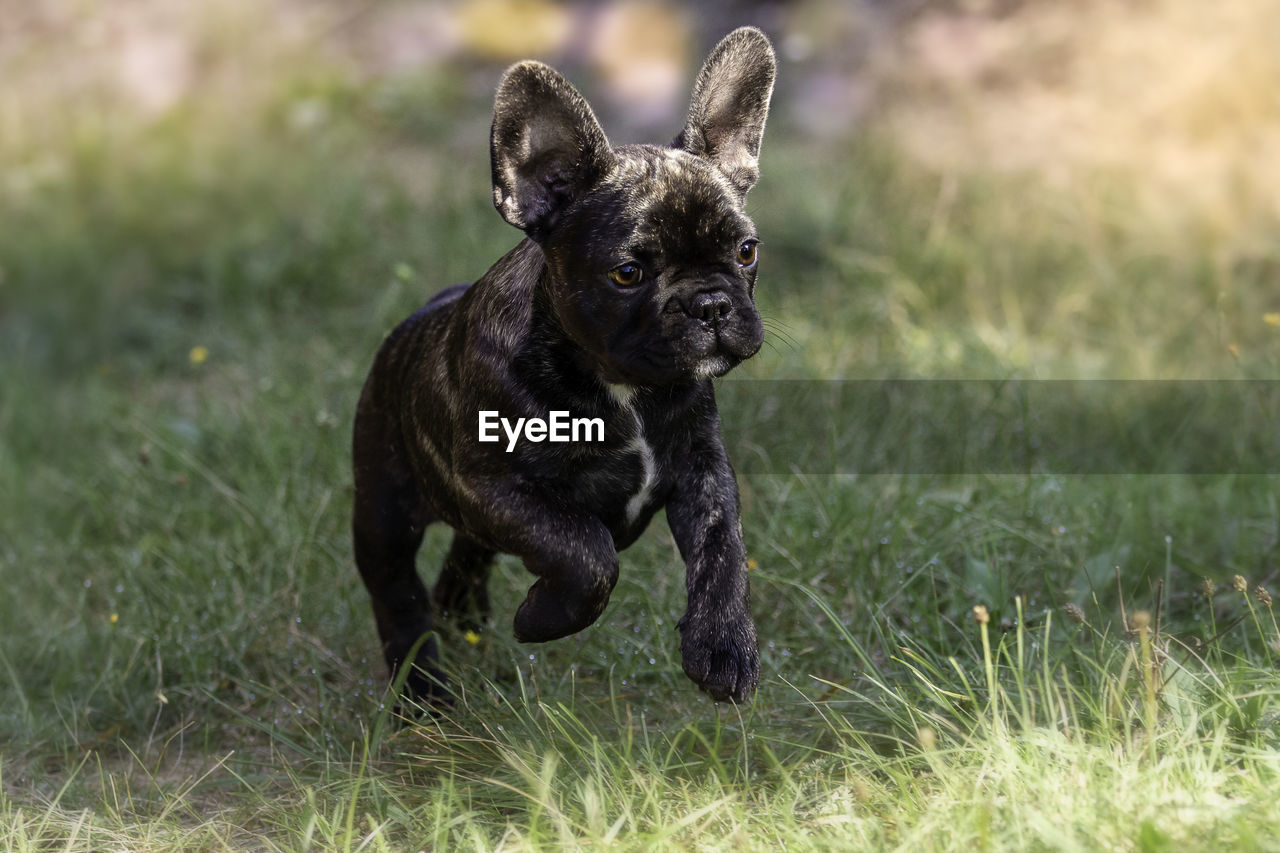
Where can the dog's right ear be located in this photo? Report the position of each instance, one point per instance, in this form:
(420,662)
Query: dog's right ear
(547,147)
(730,104)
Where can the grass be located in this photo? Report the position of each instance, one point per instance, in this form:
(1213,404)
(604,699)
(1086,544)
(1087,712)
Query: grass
(188,662)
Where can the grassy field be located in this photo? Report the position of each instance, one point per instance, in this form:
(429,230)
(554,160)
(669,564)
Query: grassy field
(188,660)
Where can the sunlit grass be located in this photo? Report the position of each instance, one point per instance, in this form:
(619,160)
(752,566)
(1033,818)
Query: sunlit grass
(1036,737)
(1172,99)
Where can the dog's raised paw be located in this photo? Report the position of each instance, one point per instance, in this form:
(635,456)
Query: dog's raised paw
(551,611)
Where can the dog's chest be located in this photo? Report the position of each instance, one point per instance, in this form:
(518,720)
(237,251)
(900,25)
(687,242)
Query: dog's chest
(620,480)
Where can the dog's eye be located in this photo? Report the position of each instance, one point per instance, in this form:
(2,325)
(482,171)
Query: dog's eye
(626,275)
(747,254)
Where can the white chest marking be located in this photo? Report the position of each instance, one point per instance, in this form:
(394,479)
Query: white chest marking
(638,445)
(641,497)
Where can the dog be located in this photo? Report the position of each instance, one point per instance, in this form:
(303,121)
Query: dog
(632,289)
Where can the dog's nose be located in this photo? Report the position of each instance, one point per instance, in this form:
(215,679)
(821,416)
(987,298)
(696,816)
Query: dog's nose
(710,307)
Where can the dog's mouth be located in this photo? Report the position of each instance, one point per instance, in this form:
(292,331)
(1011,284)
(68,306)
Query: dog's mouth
(713,367)
(723,345)
(693,355)
(728,348)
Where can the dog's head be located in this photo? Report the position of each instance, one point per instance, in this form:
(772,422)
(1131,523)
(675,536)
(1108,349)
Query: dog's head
(651,258)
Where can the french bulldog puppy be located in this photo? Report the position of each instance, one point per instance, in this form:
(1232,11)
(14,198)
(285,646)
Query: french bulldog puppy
(632,290)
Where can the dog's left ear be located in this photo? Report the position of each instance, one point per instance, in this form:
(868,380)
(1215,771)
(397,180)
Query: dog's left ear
(546,147)
(730,104)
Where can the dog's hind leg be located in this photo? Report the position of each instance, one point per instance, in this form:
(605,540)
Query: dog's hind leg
(461,592)
(389,519)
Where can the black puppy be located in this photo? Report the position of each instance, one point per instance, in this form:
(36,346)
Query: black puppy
(551,408)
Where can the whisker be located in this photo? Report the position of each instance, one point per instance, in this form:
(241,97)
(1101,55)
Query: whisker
(779,330)
(789,342)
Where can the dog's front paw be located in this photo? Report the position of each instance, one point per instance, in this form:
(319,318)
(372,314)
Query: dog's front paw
(721,656)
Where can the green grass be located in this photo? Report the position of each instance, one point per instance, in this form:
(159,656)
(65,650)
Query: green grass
(188,661)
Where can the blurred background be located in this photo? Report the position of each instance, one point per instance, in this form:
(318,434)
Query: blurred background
(1184,94)
(149,148)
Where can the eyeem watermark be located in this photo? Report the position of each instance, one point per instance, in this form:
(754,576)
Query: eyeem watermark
(558,427)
